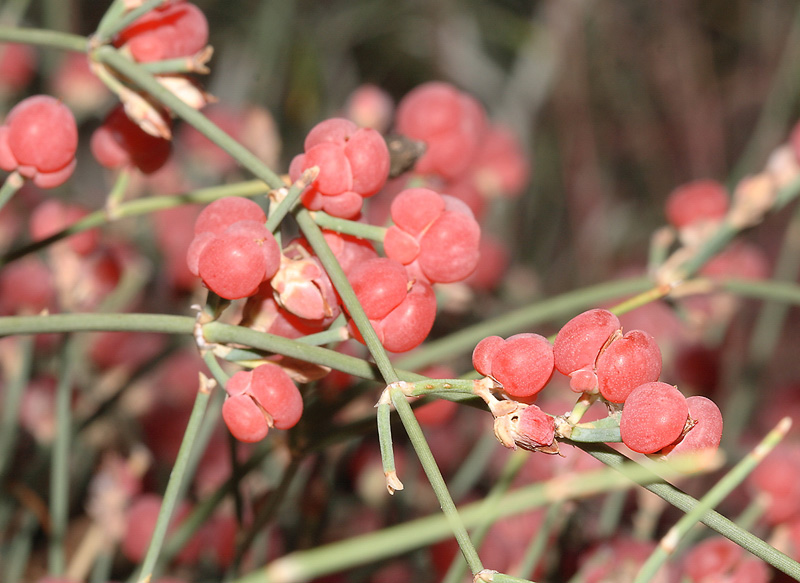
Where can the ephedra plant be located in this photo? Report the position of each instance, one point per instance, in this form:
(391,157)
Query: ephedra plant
(304,369)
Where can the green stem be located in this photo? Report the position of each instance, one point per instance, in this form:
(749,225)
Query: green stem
(435,478)
(349,299)
(512,467)
(553,520)
(711,499)
(710,518)
(361,230)
(44,38)
(141,78)
(15,382)
(60,463)
(308,564)
(174,485)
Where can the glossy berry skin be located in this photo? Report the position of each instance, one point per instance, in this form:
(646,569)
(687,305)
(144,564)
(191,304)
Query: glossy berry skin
(175,29)
(578,344)
(259,399)
(522,364)
(400,311)
(39,139)
(626,363)
(435,236)
(353,164)
(654,416)
(232,251)
(119,142)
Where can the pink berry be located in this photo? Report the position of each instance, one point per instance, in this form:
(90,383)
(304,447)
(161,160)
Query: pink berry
(523,364)
(380,285)
(119,142)
(353,164)
(776,478)
(484,353)
(654,416)
(53,216)
(578,344)
(701,200)
(706,433)
(712,559)
(39,140)
(232,266)
(434,235)
(302,287)
(407,325)
(17,65)
(222,213)
(626,363)
(175,29)
(501,167)
(451,124)
(259,399)
(369,106)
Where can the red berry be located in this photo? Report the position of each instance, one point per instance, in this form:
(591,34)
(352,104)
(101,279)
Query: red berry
(501,167)
(451,124)
(222,213)
(232,266)
(523,364)
(407,325)
(380,285)
(39,139)
(484,353)
(654,416)
(579,341)
(120,142)
(701,200)
(175,29)
(706,433)
(353,163)
(626,363)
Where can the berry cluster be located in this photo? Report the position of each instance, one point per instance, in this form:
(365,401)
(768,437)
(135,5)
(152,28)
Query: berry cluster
(622,369)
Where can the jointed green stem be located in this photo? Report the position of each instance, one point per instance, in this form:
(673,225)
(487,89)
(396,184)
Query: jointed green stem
(712,519)
(711,499)
(174,485)
(425,456)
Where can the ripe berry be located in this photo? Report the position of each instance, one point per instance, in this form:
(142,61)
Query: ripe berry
(259,399)
(522,363)
(701,200)
(119,142)
(501,167)
(175,29)
(223,212)
(777,478)
(706,433)
(353,164)
(434,235)
(451,124)
(626,363)
(232,266)
(39,139)
(578,344)
(654,416)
